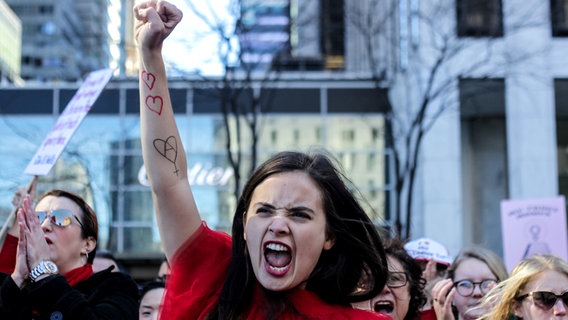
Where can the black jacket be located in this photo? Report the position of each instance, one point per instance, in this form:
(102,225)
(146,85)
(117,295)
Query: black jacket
(105,295)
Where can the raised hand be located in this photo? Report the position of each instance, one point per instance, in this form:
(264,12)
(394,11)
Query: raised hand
(155,21)
(21,270)
(36,246)
(442,296)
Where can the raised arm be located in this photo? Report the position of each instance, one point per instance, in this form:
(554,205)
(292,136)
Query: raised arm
(162,150)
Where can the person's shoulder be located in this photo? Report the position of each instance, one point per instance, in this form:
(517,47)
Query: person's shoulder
(106,278)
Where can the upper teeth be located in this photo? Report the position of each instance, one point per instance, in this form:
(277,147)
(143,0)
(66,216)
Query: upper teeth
(276,247)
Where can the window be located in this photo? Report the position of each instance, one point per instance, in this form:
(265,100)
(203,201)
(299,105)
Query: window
(46,9)
(332,33)
(479,18)
(559,17)
(348,136)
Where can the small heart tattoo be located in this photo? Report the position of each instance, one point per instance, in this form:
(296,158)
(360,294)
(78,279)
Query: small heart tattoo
(148,79)
(155,104)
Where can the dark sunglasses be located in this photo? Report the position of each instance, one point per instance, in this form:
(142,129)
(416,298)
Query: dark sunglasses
(545,299)
(59,217)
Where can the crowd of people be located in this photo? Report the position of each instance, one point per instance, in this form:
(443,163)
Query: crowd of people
(301,245)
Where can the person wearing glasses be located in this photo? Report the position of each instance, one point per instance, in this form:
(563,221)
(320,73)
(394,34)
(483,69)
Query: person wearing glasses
(536,289)
(300,238)
(472,274)
(53,276)
(403,295)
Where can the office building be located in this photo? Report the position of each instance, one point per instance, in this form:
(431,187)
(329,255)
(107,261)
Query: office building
(11,45)
(62,40)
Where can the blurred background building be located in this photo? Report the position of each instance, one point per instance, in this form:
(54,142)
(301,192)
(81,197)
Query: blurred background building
(11,45)
(486,81)
(63,40)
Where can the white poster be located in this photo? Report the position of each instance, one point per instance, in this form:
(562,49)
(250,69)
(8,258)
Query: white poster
(75,111)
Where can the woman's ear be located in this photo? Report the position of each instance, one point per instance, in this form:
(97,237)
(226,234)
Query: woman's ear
(90,244)
(329,242)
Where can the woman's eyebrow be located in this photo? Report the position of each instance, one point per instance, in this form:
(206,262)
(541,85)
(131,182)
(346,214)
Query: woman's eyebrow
(302,208)
(296,208)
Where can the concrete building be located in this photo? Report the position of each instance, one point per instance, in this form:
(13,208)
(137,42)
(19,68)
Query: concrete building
(490,76)
(62,40)
(11,45)
(501,82)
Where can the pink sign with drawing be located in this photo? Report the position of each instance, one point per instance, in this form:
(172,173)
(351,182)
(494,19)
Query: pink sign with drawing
(533,226)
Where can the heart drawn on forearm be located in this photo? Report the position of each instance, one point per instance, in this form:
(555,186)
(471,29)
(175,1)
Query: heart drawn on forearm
(148,79)
(155,104)
(168,149)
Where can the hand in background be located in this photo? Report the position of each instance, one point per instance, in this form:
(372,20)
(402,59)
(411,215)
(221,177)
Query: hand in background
(443,294)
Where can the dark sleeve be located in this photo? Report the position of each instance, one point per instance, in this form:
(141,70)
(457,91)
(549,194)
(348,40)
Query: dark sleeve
(12,300)
(105,295)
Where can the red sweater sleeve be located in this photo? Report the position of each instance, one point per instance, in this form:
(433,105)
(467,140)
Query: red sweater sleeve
(8,254)
(199,268)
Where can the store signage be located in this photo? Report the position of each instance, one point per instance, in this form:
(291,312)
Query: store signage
(68,122)
(201,174)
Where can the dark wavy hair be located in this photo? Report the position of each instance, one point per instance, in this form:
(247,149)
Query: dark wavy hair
(357,247)
(395,249)
(88,218)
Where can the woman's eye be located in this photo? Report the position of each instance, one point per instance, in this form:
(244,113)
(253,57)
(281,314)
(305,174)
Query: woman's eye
(263,211)
(300,214)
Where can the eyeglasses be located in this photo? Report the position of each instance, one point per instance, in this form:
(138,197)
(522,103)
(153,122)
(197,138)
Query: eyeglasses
(396,279)
(545,299)
(59,217)
(466,287)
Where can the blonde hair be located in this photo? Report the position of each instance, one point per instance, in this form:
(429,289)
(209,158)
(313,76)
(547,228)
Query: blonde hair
(502,299)
(490,258)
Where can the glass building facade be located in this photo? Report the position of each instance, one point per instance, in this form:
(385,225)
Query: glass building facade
(103,160)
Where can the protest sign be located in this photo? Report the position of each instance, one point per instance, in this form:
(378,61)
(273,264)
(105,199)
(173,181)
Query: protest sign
(69,120)
(533,226)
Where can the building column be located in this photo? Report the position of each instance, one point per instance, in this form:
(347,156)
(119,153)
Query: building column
(529,96)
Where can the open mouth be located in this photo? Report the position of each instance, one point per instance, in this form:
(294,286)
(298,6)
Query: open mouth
(383,307)
(277,257)
(48,241)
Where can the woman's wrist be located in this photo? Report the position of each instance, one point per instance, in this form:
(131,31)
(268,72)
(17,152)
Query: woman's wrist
(150,53)
(18,279)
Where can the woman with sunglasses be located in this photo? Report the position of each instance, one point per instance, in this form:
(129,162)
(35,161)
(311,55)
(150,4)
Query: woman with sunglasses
(472,274)
(53,276)
(536,289)
(300,239)
(403,295)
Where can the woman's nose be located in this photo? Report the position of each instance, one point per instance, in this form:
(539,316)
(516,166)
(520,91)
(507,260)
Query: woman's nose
(279,225)
(45,224)
(560,308)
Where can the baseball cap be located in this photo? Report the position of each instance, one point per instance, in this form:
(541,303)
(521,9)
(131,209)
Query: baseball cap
(428,249)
